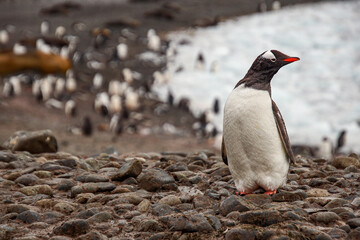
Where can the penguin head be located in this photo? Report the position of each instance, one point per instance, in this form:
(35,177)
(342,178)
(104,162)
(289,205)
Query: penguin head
(269,62)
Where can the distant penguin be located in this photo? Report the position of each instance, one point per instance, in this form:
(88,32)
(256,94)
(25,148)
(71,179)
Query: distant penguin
(184,104)
(161,78)
(276,5)
(214,66)
(70,108)
(87,128)
(59,88)
(98,81)
(325,149)
(8,90)
(341,140)
(116,126)
(46,88)
(170,98)
(262,6)
(71,84)
(122,51)
(200,62)
(42,46)
(4,37)
(115,87)
(36,90)
(132,100)
(115,104)
(216,106)
(128,76)
(154,42)
(102,103)
(60,31)
(45,28)
(19,49)
(16,83)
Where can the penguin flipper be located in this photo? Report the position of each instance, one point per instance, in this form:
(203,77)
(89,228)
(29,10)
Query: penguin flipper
(223,152)
(280,124)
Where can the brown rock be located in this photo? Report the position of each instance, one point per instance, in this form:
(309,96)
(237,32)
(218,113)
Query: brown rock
(344,162)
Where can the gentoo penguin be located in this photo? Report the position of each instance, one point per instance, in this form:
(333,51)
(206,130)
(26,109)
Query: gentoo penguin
(121,51)
(86,127)
(262,6)
(340,141)
(216,106)
(154,42)
(200,62)
(276,5)
(325,149)
(98,81)
(70,108)
(45,28)
(255,143)
(4,37)
(60,31)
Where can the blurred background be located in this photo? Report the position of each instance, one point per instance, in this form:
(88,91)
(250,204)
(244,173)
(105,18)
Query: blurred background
(154,75)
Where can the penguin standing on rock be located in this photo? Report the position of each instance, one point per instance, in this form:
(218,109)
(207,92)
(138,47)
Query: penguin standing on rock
(255,143)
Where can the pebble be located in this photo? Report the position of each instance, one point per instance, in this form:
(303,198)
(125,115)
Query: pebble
(344,162)
(155,179)
(130,169)
(91,178)
(37,189)
(27,179)
(187,223)
(261,218)
(72,228)
(170,200)
(29,216)
(100,217)
(286,196)
(354,223)
(240,234)
(233,203)
(325,217)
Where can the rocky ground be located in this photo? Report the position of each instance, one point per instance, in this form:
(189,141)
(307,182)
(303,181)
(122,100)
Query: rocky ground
(169,195)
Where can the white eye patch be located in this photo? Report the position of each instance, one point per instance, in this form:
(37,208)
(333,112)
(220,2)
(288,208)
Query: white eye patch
(269,55)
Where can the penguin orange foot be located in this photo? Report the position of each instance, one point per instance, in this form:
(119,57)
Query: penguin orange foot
(242,193)
(270,192)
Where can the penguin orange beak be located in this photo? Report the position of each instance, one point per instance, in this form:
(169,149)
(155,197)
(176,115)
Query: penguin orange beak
(291,59)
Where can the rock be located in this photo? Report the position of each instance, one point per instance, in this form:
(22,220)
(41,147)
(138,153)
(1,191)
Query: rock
(72,228)
(354,235)
(65,207)
(66,185)
(46,203)
(155,179)
(7,157)
(150,226)
(170,200)
(317,192)
(187,223)
(354,223)
(33,142)
(43,174)
(52,217)
(144,205)
(17,208)
(130,169)
(100,217)
(84,197)
(92,188)
(325,217)
(356,202)
(344,162)
(286,196)
(233,203)
(29,216)
(337,233)
(314,174)
(261,218)
(240,234)
(161,209)
(88,213)
(335,203)
(258,199)
(69,162)
(131,197)
(37,189)
(91,178)
(27,179)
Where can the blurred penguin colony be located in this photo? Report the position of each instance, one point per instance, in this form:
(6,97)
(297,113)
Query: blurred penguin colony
(113,72)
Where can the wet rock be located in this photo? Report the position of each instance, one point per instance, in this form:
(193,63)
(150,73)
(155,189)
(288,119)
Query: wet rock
(261,218)
(91,178)
(33,142)
(344,162)
(286,196)
(29,216)
(187,223)
(240,234)
(325,217)
(27,179)
(170,200)
(155,179)
(17,208)
(37,189)
(354,223)
(72,228)
(100,217)
(130,169)
(233,203)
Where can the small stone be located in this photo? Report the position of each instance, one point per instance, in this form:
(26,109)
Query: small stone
(33,142)
(29,216)
(335,203)
(150,226)
(155,179)
(233,203)
(84,197)
(130,169)
(187,223)
(356,202)
(354,223)
(69,162)
(337,233)
(100,217)
(325,217)
(258,199)
(27,179)
(203,202)
(314,174)
(72,228)
(92,188)
(46,203)
(37,189)
(91,178)
(131,197)
(240,234)
(43,174)
(317,192)
(261,218)
(88,213)
(52,217)
(144,205)
(66,185)
(161,209)
(16,208)
(286,196)
(7,157)
(344,162)
(170,200)
(65,207)
(354,235)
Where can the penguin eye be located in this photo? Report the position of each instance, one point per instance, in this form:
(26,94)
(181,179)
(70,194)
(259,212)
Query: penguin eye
(273,59)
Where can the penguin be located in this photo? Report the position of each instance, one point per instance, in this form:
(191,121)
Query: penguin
(4,38)
(325,149)
(127,75)
(276,5)
(86,127)
(116,124)
(60,31)
(262,7)
(121,51)
(19,49)
(97,81)
(70,108)
(255,142)
(154,42)
(45,28)
(8,90)
(340,141)
(216,106)
(200,62)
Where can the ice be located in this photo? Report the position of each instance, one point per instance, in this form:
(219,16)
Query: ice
(318,96)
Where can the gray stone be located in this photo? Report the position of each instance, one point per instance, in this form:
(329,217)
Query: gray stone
(72,228)
(233,203)
(17,208)
(325,217)
(261,218)
(52,217)
(354,223)
(92,188)
(88,213)
(7,157)
(170,200)
(91,178)
(161,209)
(155,179)
(344,162)
(240,234)
(314,174)
(69,162)
(335,203)
(29,216)
(150,226)
(337,233)
(286,196)
(66,185)
(187,223)
(93,235)
(27,179)
(130,169)
(100,217)
(33,142)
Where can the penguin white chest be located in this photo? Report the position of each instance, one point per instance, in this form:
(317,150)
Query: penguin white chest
(254,149)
